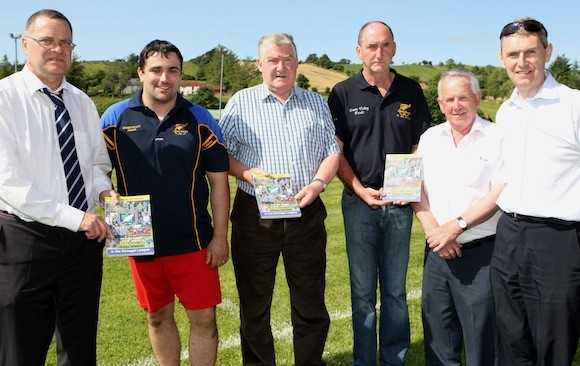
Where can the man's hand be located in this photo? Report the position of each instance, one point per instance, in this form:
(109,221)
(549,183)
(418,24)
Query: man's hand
(442,240)
(95,227)
(308,194)
(217,252)
(249,172)
(110,193)
(372,197)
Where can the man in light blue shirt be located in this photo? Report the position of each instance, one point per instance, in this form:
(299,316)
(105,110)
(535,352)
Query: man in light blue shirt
(272,128)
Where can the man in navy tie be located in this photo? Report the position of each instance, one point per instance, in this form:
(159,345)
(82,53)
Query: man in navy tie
(54,171)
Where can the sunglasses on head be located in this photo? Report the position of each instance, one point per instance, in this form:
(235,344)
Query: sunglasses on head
(530,25)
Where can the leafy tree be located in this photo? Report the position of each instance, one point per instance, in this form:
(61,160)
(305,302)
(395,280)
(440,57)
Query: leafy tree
(338,67)
(314,89)
(236,74)
(565,73)
(132,63)
(302,81)
(344,61)
(326,91)
(115,80)
(6,68)
(431,96)
(93,82)
(498,84)
(76,74)
(324,61)
(450,64)
(312,58)
(205,98)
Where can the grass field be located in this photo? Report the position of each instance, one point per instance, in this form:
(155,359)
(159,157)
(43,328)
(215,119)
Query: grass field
(425,73)
(123,340)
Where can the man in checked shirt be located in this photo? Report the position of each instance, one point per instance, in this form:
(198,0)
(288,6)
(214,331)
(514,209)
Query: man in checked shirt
(276,127)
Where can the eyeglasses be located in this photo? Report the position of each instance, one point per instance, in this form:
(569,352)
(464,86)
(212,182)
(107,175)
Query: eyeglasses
(530,25)
(51,43)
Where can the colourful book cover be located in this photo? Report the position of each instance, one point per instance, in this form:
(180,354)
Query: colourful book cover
(130,221)
(275,196)
(403,177)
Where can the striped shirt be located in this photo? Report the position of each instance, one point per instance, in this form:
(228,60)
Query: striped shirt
(261,132)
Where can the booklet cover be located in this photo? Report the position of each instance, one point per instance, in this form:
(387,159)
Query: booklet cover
(403,177)
(130,221)
(275,196)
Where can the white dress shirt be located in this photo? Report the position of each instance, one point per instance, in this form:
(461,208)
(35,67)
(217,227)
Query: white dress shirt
(455,178)
(32,179)
(541,152)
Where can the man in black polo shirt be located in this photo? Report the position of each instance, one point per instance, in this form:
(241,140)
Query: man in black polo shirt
(377,112)
(165,146)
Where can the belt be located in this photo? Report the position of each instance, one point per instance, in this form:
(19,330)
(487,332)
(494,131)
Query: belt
(542,220)
(478,242)
(9,217)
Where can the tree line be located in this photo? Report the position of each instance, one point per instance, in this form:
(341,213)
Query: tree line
(242,73)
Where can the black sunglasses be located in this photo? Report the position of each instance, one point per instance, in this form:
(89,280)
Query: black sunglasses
(530,25)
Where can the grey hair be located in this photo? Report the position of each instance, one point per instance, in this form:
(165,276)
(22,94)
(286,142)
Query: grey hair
(276,39)
(458,74)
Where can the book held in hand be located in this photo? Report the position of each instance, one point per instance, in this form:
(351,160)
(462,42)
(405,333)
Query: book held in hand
(403,177)
(275,196)
(130,221)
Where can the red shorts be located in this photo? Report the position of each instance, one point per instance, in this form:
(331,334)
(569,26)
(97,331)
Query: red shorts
(158,280)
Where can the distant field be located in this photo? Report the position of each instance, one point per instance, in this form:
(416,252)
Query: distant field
(92,67)
(319,77)
(425,73)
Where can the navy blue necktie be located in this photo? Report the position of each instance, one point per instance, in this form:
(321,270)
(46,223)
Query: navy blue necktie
(68,152)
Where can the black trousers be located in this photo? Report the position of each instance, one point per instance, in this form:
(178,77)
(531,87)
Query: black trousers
(47,274)
(457,308)
(256,248)
(535,277)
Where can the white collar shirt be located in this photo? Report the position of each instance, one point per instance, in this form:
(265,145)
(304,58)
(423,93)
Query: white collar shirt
(541,152)
(292,138)
(32,179)
(456,177)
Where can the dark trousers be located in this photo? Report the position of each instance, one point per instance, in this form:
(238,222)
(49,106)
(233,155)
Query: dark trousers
(457,308)
(47,275)
(256,248)
(535,274)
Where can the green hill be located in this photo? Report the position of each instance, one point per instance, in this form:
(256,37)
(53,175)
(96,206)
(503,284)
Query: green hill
(424,73)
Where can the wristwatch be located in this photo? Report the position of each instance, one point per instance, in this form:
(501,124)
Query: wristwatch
(462,223)
(321,181)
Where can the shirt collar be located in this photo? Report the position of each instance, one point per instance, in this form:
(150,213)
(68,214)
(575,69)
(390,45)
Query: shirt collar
(363,84)
(265,93)
(477,127)
(547,91)
(34,84)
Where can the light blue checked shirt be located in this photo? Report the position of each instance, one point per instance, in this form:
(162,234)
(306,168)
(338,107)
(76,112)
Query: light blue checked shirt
(260,132)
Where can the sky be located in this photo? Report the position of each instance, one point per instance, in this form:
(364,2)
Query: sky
(432,30)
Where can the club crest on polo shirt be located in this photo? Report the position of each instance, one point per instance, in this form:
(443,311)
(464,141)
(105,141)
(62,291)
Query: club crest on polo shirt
(404,111)
(180,129)
(358,111)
